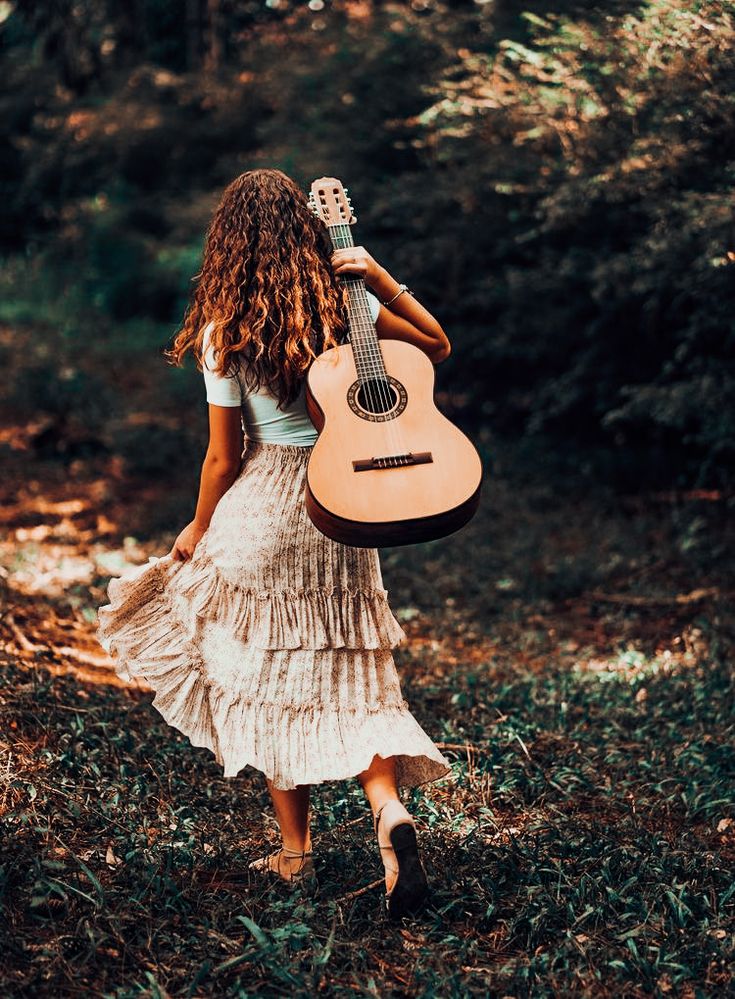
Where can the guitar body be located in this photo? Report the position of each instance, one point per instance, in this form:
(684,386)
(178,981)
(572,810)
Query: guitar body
(388,468)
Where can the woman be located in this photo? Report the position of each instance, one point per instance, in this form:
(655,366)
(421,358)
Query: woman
(264,640)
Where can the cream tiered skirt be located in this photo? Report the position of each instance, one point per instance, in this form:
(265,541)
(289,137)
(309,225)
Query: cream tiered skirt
(271,646)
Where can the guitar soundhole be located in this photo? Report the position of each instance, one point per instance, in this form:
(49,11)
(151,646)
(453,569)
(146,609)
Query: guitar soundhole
(377,399)
(377,396)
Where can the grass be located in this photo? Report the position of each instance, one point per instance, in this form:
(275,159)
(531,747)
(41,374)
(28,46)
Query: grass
(582,846)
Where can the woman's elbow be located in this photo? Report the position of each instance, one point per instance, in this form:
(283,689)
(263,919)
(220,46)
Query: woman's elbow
(222,465)
(442,352)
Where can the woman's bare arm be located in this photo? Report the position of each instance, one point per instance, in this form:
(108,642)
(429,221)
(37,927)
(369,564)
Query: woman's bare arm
(221,462)
(220,468)
(405,318)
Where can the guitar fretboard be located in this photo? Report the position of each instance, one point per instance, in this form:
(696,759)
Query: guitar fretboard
(364,339)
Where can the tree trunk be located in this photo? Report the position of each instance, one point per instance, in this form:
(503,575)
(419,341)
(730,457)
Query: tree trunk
(215,36)
(193,35)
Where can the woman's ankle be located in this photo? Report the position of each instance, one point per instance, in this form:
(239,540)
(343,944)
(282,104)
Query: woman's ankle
(293,846)
(389,806)
(382,802)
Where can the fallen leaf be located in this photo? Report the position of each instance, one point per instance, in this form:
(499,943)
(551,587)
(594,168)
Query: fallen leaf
(111,858)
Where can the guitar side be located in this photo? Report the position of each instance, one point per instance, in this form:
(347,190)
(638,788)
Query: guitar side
(390,534)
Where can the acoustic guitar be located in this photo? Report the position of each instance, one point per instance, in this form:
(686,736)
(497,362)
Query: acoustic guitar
(387,468)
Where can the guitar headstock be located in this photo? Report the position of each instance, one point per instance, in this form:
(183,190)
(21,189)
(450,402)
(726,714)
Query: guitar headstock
(329,202)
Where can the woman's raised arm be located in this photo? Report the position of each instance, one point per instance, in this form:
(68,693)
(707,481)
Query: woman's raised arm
(405,318)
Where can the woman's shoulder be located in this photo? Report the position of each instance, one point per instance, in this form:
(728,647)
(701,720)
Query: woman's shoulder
(209,351)
(222,390)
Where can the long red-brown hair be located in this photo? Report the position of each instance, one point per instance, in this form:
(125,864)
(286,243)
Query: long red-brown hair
(266,285)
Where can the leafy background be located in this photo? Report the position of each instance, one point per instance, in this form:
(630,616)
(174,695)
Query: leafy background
(553,180)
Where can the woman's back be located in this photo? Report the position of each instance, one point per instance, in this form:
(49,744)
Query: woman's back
(261,418)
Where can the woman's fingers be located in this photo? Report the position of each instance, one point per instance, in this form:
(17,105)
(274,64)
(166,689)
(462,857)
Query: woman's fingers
(354,260)
(350,258)
(348,268)
(186,542)
(351,269)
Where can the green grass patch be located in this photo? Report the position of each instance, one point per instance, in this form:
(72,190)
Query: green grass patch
(581,848)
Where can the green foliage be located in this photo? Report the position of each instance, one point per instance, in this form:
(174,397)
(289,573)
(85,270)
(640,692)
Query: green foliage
(556,185)
(595,869)
(605,315)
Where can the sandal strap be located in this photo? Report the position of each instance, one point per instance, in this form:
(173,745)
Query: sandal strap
(388,867)
(295,853)
(376,818)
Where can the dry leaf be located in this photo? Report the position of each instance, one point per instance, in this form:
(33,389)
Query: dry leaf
(111,858)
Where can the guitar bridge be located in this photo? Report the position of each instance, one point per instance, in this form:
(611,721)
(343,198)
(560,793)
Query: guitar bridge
(392,461)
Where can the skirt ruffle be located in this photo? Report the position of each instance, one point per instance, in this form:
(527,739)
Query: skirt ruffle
(271,646)
(318,617)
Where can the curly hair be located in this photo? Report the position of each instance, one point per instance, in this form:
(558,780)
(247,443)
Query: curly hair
(266,287)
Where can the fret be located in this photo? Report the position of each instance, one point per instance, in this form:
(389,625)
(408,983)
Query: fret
(363,337)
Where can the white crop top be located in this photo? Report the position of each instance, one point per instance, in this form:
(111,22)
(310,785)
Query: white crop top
(261,418)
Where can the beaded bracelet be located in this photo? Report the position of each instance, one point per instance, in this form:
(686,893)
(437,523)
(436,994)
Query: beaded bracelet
(402,288)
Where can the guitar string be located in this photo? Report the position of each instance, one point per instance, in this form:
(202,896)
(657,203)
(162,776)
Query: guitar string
(377,379)
(377,386)
(370,366)
(380,382)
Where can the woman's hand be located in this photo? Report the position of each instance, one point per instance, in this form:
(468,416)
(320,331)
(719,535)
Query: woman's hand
(356,260)
(187,541)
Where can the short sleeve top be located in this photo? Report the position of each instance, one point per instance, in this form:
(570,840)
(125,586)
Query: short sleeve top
(261,418)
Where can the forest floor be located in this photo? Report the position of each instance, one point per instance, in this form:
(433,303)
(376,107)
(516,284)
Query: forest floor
(571,652)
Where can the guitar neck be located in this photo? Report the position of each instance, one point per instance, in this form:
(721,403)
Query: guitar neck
(363,337)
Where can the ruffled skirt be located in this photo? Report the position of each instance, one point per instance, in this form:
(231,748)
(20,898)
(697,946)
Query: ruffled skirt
(271,646)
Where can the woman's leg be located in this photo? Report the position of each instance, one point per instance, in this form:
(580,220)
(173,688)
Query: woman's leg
(379,784)
(379,781)
(405,880)
(292,814)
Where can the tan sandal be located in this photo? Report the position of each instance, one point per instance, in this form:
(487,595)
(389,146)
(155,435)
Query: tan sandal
(397,837)
(271,864)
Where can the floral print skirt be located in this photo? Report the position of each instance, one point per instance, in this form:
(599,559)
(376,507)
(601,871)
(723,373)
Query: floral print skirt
(271,646)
